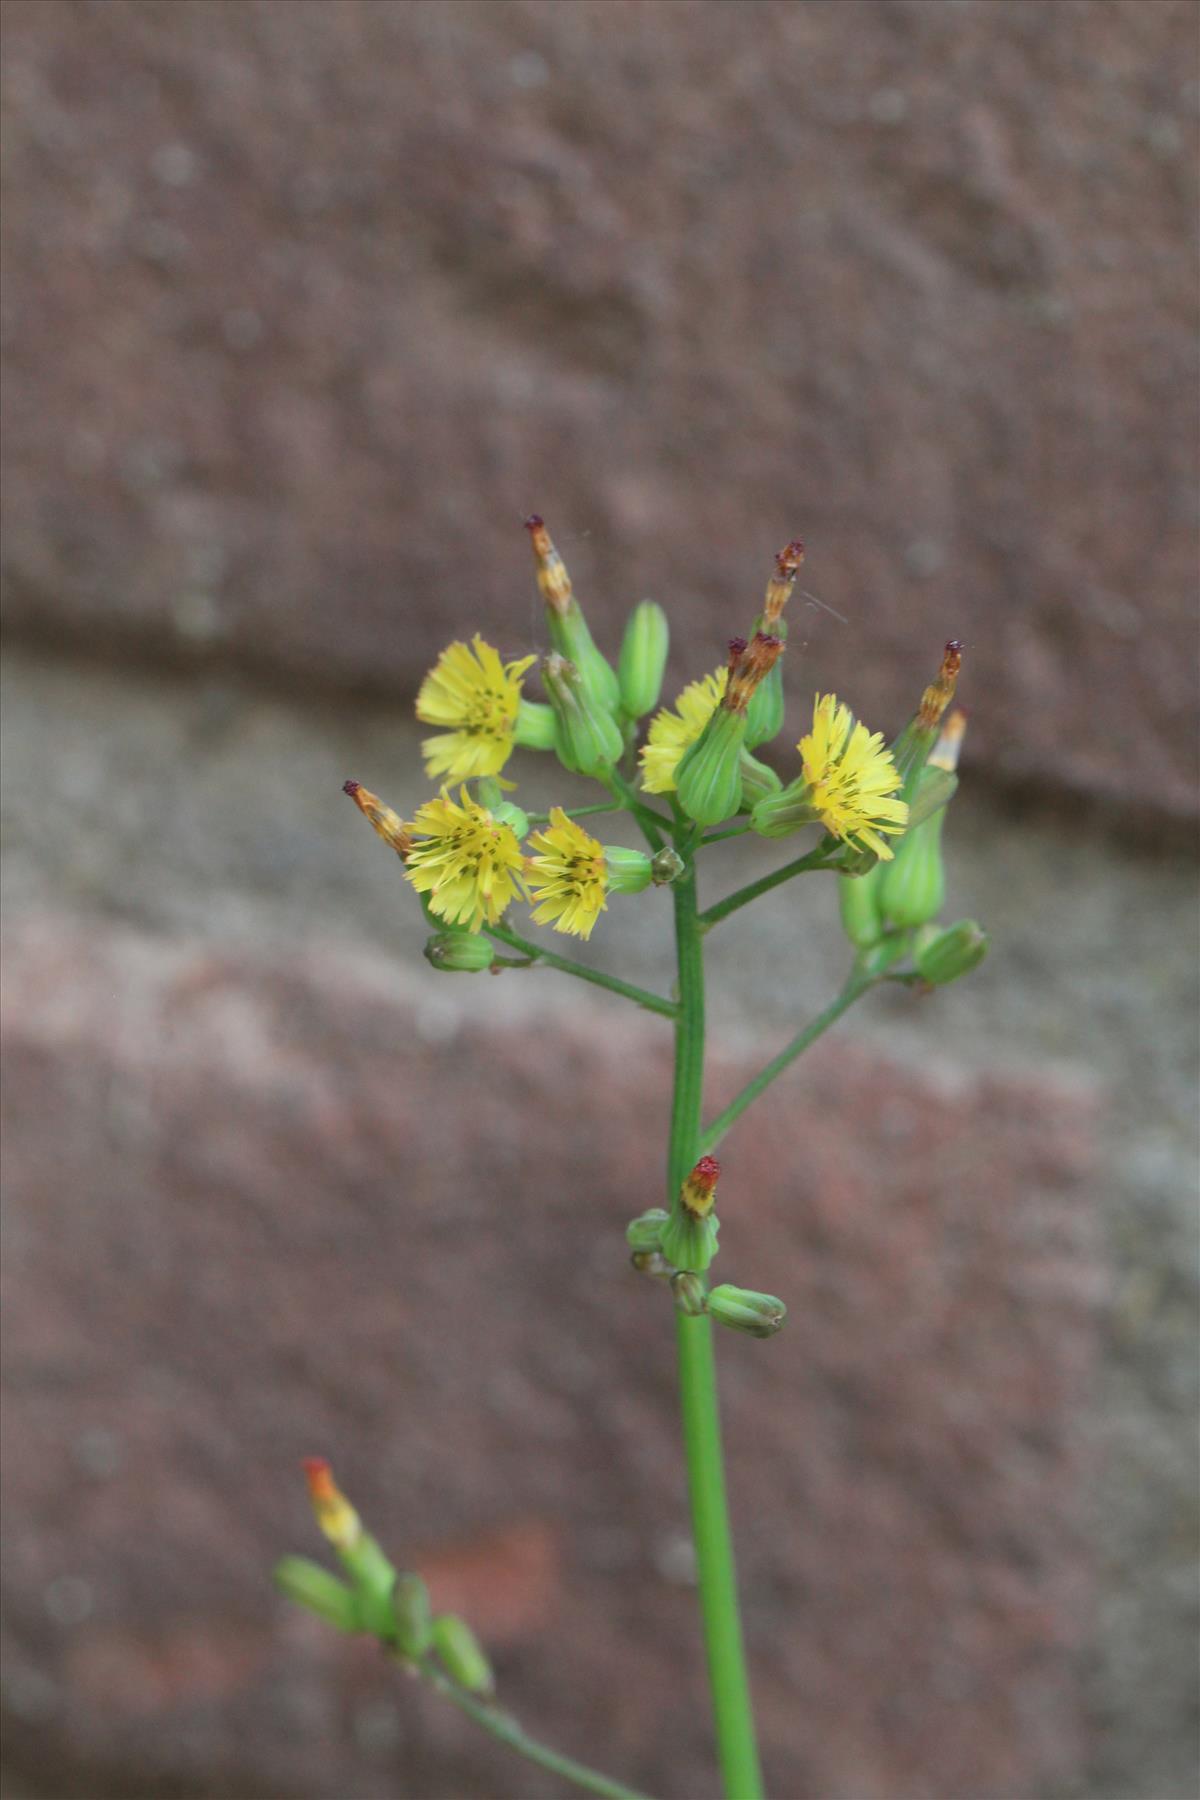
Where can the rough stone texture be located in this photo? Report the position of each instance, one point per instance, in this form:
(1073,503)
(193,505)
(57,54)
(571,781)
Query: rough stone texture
(274,1216)
(305,305)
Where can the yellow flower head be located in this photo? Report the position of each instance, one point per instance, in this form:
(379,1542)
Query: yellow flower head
(671,733)
(851,778)
(476,696)
(467,862)
(567,876)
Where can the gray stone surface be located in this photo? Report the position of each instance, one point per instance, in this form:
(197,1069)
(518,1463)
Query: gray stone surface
(306,305)
(212,969)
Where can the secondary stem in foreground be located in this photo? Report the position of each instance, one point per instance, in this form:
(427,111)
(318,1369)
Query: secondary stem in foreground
(733,1715)
(500,934)
(509,1732)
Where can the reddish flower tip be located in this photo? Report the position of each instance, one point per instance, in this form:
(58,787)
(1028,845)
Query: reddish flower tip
(955,647)
(535,522)
(737,646)
(791,556)
(767,641)
(313,1465)
(351,787)
(707,1170)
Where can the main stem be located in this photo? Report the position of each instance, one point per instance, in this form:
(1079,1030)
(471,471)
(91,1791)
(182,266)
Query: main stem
(733,1715)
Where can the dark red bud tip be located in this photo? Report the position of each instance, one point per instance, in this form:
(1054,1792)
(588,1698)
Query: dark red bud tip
(707,1170)
(351,787)
(791,556)
(737,646)
(535,522)
(766,641)
(955,647)
(314,1465)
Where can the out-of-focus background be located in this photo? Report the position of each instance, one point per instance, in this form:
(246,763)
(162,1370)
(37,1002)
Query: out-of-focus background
(305,305)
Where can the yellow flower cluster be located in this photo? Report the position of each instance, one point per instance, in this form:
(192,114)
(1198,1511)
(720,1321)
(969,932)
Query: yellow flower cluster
(476,697)
(851,778)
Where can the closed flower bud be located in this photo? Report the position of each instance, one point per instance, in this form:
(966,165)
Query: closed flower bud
(913,885)
(764,713)
(666,866)
(413,1621)
(689,1237)
(626,871)
(688,1292)
(535,728)
(708,780)
(645,1232)
(589,741)
(743,1310)
(506,812)
(462,1654)
(460,952)
(643,659)
(936,788)
(568,628)
(369,1569)
(313,1587)
(758,778)
(858,899)
(946,955)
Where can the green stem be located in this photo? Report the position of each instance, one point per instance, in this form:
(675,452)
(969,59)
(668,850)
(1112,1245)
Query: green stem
(509,1732)
(651,823)
(856,986)
(640,996)
(743,896)
(717,837)
(733,1716)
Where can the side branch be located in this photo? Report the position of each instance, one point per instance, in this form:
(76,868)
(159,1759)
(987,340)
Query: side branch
(536,954)
(815,859)
(502,1726)
(854,988)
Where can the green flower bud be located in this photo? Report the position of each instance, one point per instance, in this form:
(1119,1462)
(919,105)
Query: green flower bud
(912,886)
(690,1243)
(666,866)
(689,1237)
(410,1610)
(311,1586)
(764,713)
(627,871)
(858,899)
(645,1232)
(462,952)
(374,1579)
(758,778)
(568,628)
(688,1290)
(708,780)
(778,814)
(535,728)
(936,788)
(589,740)
(946,955)
(505,812)
(743,1310)
(462,1654)
(643,659)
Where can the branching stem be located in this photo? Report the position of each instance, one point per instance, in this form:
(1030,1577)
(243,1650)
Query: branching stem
(628,991)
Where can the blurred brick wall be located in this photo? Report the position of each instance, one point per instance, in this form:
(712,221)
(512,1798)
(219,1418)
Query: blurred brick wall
(308,304)
(304,306)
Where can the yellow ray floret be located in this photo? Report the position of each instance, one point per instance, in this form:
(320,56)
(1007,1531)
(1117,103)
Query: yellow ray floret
(468,864)
(851,778)
(672,732)
(567,876)
(476,696)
